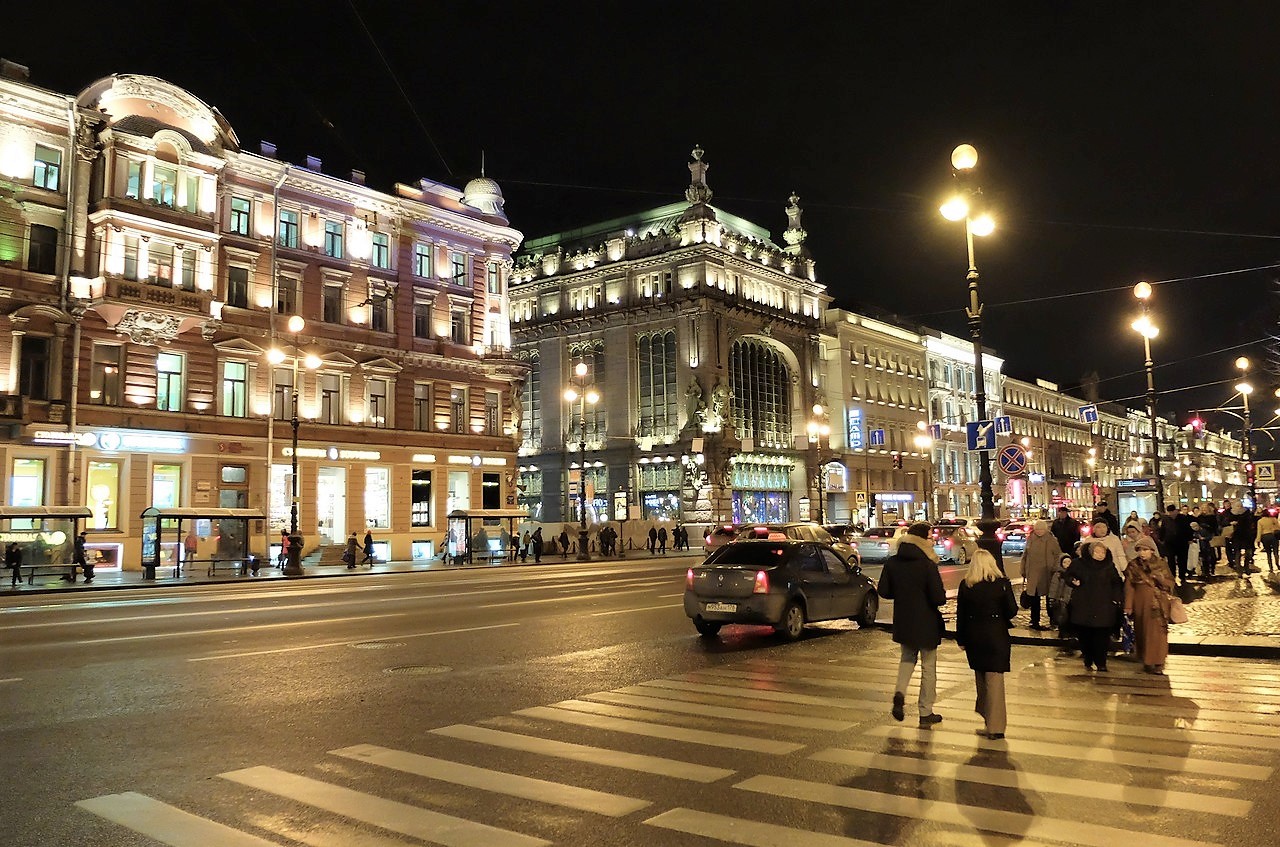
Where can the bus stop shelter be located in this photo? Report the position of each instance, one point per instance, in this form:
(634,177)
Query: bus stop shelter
(45,534)
(484,535)
(220,538)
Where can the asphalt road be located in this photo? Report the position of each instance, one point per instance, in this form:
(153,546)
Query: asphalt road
(396,709)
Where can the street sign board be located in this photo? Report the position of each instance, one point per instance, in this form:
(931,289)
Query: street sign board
(860,497)
(1004,425)
(982,435)
(1012,460)
(935,431)
(1089,413)
(1264,472)
(876,438)
(620,505)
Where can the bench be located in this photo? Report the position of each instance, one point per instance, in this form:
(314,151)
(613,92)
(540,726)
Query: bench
(242,566)
(64,570)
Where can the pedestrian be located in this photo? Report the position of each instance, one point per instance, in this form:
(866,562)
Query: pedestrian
(349,555)
(283,558)
(1134,518)
(79,556)
(985,610)
(1066,529)
(1129,540)
(1269,538)
(1097,591)
(653,540)
(368,548)
(1148,593)
(1102,533)
(1060,600)
(1240,538)
(1102,511)
(1210,541)
(524,546)
(536,543)
(1040,559)
(13,560)
(911,580)
(564,543)
(662,540)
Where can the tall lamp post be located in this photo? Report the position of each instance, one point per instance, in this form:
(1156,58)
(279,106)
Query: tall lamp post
(1148,330)
(924,445)
(582,393)
(1245,390)
(819,429)
(293,558)
(963,160)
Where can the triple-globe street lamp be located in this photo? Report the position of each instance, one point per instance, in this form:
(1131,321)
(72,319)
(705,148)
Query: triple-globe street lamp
(924,445)
(1148,330)
(1245,389)
(582,393)
(819,430)
(293,556)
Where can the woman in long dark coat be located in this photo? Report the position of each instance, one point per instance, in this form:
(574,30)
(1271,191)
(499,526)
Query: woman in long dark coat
(984,611)
(1148,591)
(1096,594)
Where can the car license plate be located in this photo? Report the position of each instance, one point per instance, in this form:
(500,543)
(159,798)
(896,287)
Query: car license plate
(722,607)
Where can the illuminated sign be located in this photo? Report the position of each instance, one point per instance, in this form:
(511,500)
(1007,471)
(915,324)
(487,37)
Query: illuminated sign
(332,453)
(113,440)
(855,429)
(620,505)
(423,458)
(894,498)
(29,536)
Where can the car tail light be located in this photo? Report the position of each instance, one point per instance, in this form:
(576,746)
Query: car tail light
(948,543)
(1086,531)
(688,578)
(1000,535)
(762,583)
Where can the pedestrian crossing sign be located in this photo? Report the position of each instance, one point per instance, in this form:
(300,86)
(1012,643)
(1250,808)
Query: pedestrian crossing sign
(1264,472)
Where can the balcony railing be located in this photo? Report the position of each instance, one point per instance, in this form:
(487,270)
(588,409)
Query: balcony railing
(158,295)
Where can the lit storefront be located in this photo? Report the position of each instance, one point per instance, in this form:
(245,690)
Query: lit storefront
(762,489)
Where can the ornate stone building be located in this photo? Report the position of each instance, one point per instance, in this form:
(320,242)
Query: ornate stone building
(701,336)
(149,266)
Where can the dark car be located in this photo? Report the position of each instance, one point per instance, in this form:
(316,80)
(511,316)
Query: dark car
(783,584)
(879,542)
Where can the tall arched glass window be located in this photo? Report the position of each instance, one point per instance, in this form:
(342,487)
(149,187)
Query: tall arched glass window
(760,406)
(592,354)
(656,355)
(531,401)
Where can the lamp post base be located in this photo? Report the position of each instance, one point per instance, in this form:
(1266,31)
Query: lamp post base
(584,555)
(293,557)
(989,541)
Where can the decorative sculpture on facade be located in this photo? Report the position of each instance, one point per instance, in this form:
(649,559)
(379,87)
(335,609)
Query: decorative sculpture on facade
(150,328)
(694,409)
(698,190)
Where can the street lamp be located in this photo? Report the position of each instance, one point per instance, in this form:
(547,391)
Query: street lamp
(582,393)
(1148,330)
(1245,390)
(293,560)
(924,445)
(819,429)
(963,160)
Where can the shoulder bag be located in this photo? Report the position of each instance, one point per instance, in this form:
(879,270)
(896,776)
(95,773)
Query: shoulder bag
(1177,611)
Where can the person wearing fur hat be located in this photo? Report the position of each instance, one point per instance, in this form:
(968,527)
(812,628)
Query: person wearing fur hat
(1040,559)
(911,580)
(1096,594)
(1148,591)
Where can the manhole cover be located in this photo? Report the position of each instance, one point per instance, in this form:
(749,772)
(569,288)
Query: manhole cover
(376,645)
(419,670)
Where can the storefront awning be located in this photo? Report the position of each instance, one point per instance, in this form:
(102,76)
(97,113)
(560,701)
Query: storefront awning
(200,514)
(44,512)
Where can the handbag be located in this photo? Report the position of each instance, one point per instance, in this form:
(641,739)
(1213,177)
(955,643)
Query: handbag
(1177,611)
(1218,541)
(1025,600)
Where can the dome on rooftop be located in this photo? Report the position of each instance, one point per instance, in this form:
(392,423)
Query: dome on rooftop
(484,195)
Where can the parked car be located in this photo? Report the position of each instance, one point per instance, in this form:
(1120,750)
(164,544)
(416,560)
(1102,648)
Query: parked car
(1013,538)
(780,583)
(798,532)
(718,537)
(843,532)
(879,543)
(955,541)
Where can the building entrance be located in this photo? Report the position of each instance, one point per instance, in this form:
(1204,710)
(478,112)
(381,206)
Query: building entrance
(331,504)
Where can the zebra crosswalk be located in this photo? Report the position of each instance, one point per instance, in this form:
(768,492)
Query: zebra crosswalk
(781,752)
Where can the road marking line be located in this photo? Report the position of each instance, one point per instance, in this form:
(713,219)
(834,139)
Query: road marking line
(168,824)
(641,609)
(739,693)
(582,753)
(499,782)
(1260,722)
(957,814)
(251,627)
(708,710)
(1033,746)
(655,730)
(750,833)
(1024,780)
(12,679)
(423,824)
(347,642)
(563,599)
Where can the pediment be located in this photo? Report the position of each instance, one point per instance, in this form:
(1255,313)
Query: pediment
(239,346)
(381,364)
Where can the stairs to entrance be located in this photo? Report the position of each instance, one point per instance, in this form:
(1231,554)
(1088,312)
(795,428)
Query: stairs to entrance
(326,554)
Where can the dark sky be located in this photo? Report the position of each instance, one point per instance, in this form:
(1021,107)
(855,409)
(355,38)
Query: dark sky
(1118,141)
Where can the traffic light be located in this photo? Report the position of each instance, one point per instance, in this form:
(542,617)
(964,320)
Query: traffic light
(897,461)
(1197,423)
(1248,472)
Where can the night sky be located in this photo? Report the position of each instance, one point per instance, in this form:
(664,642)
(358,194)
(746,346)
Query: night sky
(1118,141)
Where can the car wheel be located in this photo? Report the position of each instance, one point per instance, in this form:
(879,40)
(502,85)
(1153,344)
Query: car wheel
(705,628)
(870,609)
(791,626)
(959,557)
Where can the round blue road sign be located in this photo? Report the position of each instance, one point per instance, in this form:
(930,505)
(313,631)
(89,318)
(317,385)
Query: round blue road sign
(1012,460)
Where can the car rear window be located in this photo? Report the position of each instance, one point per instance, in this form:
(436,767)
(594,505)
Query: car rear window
(751,555)
(881,532)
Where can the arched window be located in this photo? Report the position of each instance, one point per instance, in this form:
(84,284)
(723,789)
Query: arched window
(531,401)
(657,401)
(760,406)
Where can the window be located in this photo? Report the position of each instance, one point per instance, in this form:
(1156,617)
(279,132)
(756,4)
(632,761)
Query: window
(493,279)
(42,253)
(458,326)
(377,497)
(287,233)
(381,256)
(131,257)
(422,259)
(760,400)
(659,409)
(531,413)
(330,398)
(134,187)
(422,406)
(379,411)
(235,389)
(104,374)
(26,485)
(380,311)
(590,354)
(33,374)
(191,202)
(237,286)
(420,499)
(233,493)
(240,211)
(186,262)
(490,491)
(169,370)
(331,305)
(282,394)
(333,239)
(492,411)
(103,493)
(286,295)
(164,186)
(166,486)
(458,409)
(422,319)
(48,167)
(160,263)
(458,268)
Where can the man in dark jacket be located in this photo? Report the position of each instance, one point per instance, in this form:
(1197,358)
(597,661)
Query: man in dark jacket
(1102,512)
(911,580)
(1066,529)
(1175,537)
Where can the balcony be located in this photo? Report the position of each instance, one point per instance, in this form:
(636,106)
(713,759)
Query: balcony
(150,294)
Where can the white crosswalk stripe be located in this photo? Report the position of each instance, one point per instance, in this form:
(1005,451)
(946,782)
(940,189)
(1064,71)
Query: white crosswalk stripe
(814,737)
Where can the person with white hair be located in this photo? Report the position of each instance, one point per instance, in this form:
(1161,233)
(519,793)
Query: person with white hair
(1040,558)
(984,609)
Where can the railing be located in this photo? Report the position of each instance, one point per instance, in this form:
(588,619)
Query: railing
(156,294)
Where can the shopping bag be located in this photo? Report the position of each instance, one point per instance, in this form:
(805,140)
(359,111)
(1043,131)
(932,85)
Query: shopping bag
(1177,610)
(1193,558)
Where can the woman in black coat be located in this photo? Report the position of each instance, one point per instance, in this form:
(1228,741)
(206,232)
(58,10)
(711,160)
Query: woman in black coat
(985,610)
(1097,593)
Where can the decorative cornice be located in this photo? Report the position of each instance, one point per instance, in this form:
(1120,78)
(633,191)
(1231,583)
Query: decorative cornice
(153,329)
